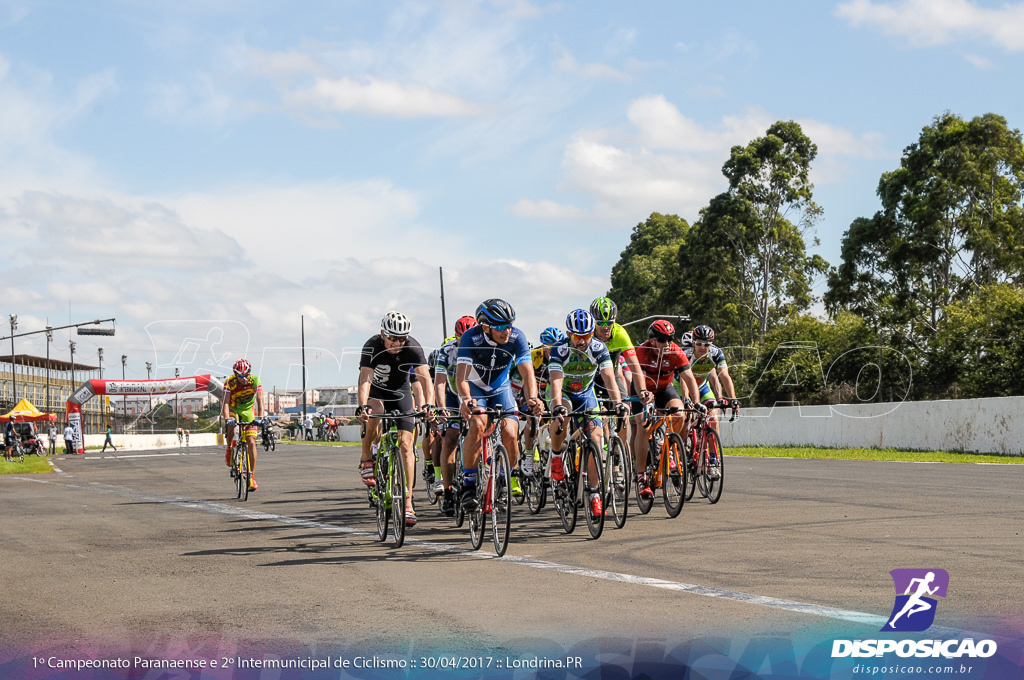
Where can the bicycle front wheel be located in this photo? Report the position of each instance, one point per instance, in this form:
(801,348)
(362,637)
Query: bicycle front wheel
(536,490)
(713,487)
(501,500)
(592,484)
(399,496)
(617,479)
(673,486)
(244,473)
(565,492)
(645,504)
(691,454)
(382,475)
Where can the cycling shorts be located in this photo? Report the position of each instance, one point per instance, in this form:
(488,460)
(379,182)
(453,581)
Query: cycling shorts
(706,393)
(499,399)
(400,401)
(243,421)
(661,399)
(584,403)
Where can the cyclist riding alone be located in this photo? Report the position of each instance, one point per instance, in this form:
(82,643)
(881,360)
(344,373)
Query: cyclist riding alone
(243,401)
(384,385)
(661,360)
(710,369)
(611,333)
(448,395)
(487,353)
(575,362)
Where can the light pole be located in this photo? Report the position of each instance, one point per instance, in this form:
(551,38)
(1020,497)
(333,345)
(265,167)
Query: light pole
(14,364)
(103,408)
(124,405)
(99,353)
(149,369)
(72,391)
(176,403)
(49,339)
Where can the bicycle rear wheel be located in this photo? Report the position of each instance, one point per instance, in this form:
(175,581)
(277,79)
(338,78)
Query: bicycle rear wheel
(619,472)
(645,504)
(673,484)
(477,522)
(713,487)
(536,490)
(501,500)
(399,495)
(592,484)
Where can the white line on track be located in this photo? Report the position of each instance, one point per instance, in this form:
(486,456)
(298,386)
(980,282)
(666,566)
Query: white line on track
(705,591)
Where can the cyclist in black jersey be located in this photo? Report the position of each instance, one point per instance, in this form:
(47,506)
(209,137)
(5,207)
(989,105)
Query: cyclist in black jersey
(384,385)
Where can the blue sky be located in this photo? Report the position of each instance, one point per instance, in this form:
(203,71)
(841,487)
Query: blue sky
(209,172)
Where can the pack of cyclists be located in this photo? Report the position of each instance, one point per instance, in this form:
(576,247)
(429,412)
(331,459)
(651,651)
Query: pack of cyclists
(490,364)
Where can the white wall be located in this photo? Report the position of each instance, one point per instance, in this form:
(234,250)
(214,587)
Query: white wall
(130,442)
(993,425)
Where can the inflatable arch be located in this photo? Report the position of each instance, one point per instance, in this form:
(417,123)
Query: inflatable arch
(92,388)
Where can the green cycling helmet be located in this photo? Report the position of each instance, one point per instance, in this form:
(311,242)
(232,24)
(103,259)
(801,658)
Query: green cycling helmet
(604,309)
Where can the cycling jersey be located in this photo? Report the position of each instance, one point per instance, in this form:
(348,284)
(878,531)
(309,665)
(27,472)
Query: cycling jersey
(540,373)
(391,371)
(489,362)
(579,368)
(447,357)
(620,344)
(660,366)
(702,367)
(242,396)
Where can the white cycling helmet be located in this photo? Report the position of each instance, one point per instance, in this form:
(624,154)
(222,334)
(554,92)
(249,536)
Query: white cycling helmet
(395,324)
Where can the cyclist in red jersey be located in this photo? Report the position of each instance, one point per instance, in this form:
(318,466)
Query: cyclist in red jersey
(661,360)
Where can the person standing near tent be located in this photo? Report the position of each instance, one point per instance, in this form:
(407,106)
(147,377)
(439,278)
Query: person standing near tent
(51,434)
(69,439)
(9,435)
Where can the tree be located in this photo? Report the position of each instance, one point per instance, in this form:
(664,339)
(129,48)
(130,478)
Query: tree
(951,222)
(641,278)
(753,257)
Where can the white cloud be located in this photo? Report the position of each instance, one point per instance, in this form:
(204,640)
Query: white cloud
(978,61)
(938,22)
(590,70)
(378,97)
(546,210)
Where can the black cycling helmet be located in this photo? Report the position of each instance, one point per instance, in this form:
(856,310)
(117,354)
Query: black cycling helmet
(604,309)
(495,312)
(704,333)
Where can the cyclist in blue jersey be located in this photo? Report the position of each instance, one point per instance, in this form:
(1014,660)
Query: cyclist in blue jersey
(574,363)
(487,353)
(447,397)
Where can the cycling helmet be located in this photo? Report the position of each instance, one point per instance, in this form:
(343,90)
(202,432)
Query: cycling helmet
(432,358)
(242,368)
(396,324)
(704,333)
(464,324)
(495,312)
(661,329)
(551,335)
(687,339)
(579,322)
(604,309)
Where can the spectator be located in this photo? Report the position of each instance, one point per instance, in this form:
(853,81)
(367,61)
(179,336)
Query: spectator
(69,439)
(108,440)
(51,434)
(9,435)
(309,428)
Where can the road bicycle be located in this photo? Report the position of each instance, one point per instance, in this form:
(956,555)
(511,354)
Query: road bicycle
(666,468)
(493,486)
(535,484)
(618,469)
(430,472)
(269,439)
(390,492)
(241,471)
(579,455)
(17,450)
(704,454)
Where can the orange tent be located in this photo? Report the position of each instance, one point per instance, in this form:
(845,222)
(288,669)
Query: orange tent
(25,411)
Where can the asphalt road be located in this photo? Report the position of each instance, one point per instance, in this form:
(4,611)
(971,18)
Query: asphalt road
(149,552)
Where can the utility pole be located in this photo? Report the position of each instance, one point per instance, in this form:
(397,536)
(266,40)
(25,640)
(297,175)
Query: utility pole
(149,414)
(14,364)
(124,405)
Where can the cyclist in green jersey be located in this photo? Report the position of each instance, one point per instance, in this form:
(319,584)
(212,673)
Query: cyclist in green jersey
(614,336)
(243,401)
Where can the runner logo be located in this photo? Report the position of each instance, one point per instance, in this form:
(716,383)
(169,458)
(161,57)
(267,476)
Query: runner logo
(914,610)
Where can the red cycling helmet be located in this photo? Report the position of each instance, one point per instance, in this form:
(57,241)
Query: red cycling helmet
(242,368)
(464,324)
(661,329)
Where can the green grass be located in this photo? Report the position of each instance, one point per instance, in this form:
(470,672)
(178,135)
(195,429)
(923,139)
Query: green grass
(305,443)
(31,465)
(870,454)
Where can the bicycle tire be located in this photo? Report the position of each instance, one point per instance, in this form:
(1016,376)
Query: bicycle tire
(428,491)
(536,490)
(617,479)
(690,452)
(588,485)
(565,492)
(673,484)
(399,495)
(713,486)
(40,450)
(477,522)
(243,473)
(381,476)
(501,500)
(645,504)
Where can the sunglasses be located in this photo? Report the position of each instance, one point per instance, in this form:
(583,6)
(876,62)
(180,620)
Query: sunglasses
(703,344)
(578,338)
(605,323)
(500,327)
(397,338)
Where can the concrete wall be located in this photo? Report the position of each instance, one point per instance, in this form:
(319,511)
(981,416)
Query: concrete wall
(993,425)
(130,442)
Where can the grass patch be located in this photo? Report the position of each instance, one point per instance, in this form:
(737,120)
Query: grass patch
(32,464)
(305,443)
(870,454)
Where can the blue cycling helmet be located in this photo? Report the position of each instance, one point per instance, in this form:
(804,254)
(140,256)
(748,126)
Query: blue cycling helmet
(579,322)
(495,312)
(551,335)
